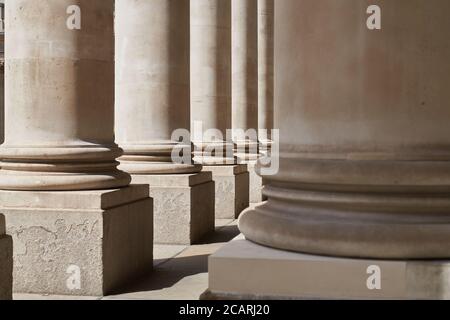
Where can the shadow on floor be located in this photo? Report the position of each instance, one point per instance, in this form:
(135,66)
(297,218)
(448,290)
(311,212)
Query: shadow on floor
(190,262)
(168,274)
(222,235)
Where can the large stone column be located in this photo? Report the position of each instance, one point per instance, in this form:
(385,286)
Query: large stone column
(152,101)
(59,154)
(265,74)
(245,88)
(6,262)
(211,104)
(364,160)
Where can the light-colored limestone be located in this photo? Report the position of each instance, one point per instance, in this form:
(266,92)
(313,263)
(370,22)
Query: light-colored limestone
(152,101)
(245,88)
(232,191)
(59,99)
(256,184)
(106,234)
(242,269)
(265,72)
(6,262)
(211,78)
(184,276)
(152,84)
(364,155)
(183,206)
(245,76)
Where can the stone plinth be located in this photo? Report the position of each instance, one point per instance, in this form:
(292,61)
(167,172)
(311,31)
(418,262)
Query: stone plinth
(183,206)
(245,270)
(256,184)
(79,242)
(232,190)
(6,262)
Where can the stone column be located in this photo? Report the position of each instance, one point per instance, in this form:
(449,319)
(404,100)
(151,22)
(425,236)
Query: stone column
(59,153)
(265,74)
(364,158)
(245,88)
(211,104)
(152,101)
(6,262)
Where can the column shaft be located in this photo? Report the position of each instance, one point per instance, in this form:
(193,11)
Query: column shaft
(152,84)
(245,76)
(211,80)
(59,98)
(265,72)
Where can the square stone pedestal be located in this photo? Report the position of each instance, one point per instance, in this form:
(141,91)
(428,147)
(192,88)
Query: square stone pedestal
(244,270)
(183,206)
(6,262)
(79,242)
(232,189)
(256,185)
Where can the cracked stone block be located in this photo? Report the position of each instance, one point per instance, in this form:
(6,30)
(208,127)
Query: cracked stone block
(183,206)
(6,262)
(232,189)
(83,243)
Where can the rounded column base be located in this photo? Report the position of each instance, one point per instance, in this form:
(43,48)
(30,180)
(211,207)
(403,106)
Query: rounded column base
(68,168)
(156,158)
(357,209)
(247,151)
(214,153)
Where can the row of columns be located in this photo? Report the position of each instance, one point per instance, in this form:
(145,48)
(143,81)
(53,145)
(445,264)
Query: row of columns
(166,65)
(360,205)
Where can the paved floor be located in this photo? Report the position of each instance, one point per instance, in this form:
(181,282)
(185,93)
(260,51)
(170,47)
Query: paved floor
(180,272)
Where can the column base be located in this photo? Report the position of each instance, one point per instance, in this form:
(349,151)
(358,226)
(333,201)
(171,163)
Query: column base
(6,263)
(232,190)
(245,270)
(256,185)
(79,242)
(183,206)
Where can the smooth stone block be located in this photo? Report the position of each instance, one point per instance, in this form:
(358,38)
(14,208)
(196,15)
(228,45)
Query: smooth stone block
(80,243)
(6,263)
(244,270)
(232,189)
(183,206)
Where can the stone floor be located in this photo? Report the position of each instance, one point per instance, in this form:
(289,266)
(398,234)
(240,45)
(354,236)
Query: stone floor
(180,272)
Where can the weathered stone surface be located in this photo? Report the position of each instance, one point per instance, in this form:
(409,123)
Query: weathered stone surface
(244,97)
(109,242)
(59,104)
(265,69)
(152,84)
(183,206)
(242,269)
(256,184)
(6,263)
(232,190)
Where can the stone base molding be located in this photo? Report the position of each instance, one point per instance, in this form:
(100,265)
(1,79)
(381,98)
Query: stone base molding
(245,270)
(84,243)
(395,210)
